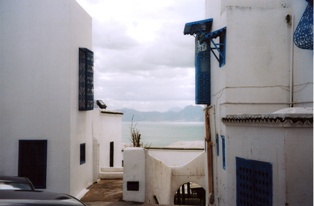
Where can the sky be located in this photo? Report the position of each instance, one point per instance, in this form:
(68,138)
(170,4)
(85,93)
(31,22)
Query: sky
(142,60)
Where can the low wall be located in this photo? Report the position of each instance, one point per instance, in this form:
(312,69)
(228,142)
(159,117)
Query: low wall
(111,173)
(159,173)
(158,181)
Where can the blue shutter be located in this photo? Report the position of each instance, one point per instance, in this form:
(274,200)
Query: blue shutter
(202,73)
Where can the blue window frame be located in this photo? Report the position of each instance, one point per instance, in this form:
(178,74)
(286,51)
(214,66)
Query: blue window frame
(217,144)
(223,144)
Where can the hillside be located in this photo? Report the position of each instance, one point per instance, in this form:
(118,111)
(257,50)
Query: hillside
(188,114)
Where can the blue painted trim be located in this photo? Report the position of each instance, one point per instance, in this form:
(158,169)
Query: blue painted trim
(223,144)
(198,27)
(217,145)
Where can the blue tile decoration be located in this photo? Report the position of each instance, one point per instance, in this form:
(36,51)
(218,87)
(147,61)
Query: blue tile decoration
(303,34)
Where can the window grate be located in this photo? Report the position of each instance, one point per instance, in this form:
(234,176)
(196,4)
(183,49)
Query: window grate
(202,73)
(254,182)
(86,79)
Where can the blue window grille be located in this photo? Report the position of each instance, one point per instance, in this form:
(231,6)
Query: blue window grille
(86,79)
(223,144)
(254,182)
(202,73)
(217,144)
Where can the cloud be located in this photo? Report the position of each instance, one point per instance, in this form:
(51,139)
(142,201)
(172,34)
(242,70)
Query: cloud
(142,58)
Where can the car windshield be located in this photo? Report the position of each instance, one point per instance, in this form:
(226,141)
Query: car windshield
(9,185)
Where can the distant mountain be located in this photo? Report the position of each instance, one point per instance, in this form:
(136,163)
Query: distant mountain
(175,109)
(188,114)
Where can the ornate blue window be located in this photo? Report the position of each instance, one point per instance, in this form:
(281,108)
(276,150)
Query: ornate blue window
(86,79)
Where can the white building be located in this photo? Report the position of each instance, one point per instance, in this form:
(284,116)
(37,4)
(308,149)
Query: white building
(42,131)
(107,134)
(259,156)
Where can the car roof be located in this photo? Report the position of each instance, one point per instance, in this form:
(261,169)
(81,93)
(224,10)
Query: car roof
(14,178)
(23,197)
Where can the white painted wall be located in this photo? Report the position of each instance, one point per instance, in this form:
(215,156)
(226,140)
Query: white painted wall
(299,166)
(134,171)
(287,149)
(266,145)
(158,181)
(178,157)
(161,173)
(260,56)
(193,171)
(106,129)
(39,87)
(256,77)
(167,170)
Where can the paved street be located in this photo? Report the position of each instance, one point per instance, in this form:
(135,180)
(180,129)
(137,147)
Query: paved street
(107,192)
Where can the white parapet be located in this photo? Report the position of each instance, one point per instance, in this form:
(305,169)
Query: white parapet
(111,173)
(134,174)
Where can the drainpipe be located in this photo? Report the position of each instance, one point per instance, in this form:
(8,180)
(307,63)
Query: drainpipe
(209,149)
(291,80)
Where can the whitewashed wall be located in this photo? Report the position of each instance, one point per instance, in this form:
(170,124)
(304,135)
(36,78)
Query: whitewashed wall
(134,171)
(266,145)
(256,78)
(106,129)
(260,55)
(159,178)
(299,166)
(160,173)
(39,87)
(287,149)
(178,157)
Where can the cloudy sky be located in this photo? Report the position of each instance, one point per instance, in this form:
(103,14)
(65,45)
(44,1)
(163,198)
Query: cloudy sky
(142,60)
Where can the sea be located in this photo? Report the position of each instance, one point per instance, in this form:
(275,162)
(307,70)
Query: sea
(161,134)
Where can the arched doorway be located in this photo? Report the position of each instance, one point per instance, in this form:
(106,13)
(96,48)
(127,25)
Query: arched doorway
(190,194)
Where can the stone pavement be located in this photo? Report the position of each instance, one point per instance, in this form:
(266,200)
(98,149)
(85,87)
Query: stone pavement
(107,192)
